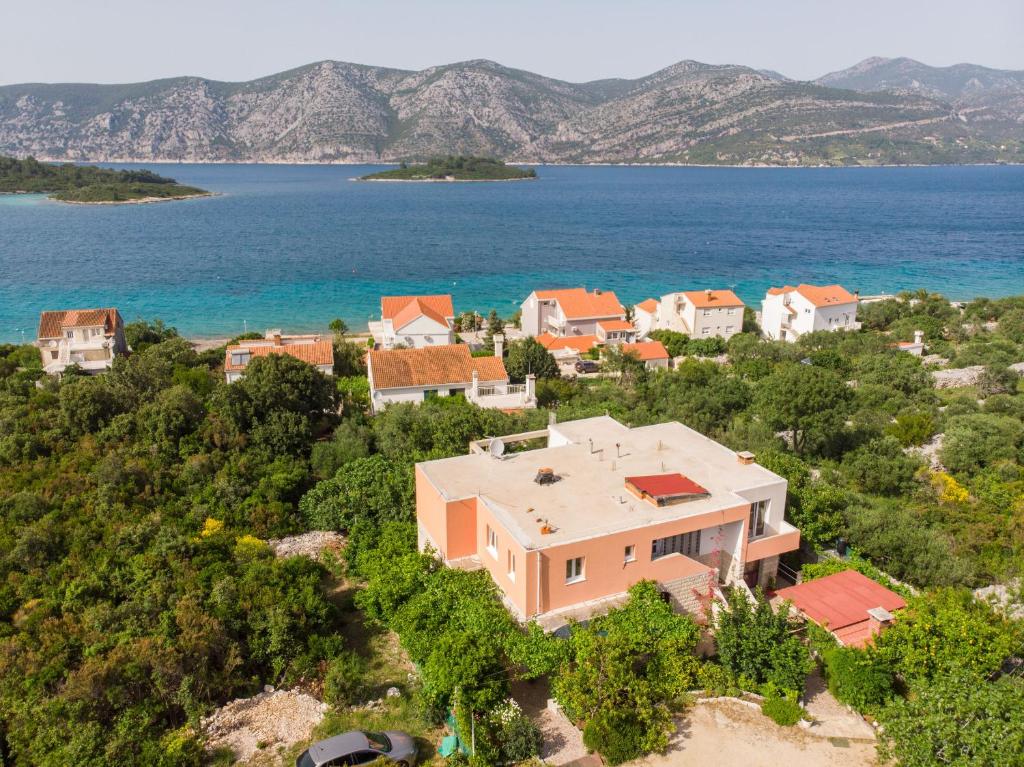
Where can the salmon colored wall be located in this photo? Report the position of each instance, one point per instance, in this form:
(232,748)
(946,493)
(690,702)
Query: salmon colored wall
(461,522)
(525,580)
(772,545)
(604,570)
(431,511)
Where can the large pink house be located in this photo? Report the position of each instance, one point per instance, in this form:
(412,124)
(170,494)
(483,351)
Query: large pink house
(566,529)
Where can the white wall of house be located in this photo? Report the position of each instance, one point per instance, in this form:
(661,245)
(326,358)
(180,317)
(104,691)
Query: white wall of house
(644,322)
(781,324)
(677,312)
(418,333)
(655,364)
(381,398)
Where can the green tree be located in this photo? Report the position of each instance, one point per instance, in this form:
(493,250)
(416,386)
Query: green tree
(756,642)
(527,356)
(810,403)
(370,488)
(881,467)
(339,327)
(956,719)
(975,441)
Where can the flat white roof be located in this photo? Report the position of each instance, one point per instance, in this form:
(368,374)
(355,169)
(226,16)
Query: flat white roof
(591,499)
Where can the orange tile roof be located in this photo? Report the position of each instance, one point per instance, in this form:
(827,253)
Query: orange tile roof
(647,350)
(650,305)
(704,299)
(391,306)
(578,304)
(579,344)
(51,324)
(615,325)
(431,365)
(315,353)
(819,295)
(415,309)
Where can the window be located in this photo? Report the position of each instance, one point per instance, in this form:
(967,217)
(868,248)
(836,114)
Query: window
(71,334)
(511,565)
(456,392)
(239,359)
(758,512)
(707,312)
(728,328)
(732,310)
(687,544)
(53,355)
(574,570)
(429,393)
(705,331)
(629,555)
(492,542)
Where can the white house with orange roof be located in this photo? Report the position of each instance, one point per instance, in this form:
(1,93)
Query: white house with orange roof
(653,354)
(566,529)
(568,347)
(88,338)
(645,317)
(789,312)
(615,332)
(311,349)
(699,313)
(569,312)
(415,375)
(415,322)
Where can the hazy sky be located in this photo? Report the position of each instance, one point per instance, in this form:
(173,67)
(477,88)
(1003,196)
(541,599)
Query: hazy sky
(132,40)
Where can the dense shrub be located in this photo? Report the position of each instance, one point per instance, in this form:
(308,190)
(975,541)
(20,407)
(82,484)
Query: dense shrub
(858,678)
(343,682)
(781,707)
(618,736)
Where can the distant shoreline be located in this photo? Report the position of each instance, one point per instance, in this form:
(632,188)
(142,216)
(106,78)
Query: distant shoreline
(439,180)
(753,166)
(138,201)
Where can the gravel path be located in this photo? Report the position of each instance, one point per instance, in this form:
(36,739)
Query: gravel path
(307,545)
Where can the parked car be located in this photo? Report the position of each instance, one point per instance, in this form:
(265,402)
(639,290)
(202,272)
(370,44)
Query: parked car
(587,366)
(354,748)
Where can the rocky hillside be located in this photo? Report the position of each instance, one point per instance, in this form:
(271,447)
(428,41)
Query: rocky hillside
(689,113)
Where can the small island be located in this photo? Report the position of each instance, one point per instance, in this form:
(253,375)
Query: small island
(88,184)
(455,168)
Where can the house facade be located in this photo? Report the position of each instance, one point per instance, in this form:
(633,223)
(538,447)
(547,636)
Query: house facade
(311,349)
(415,322)
(571,312)
(569,527)
(697,313)
(653,354)
(789,312)
(415,375)
(88,338)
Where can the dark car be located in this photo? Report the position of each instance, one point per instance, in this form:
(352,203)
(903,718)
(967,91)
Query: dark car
(354,748)
(587,366)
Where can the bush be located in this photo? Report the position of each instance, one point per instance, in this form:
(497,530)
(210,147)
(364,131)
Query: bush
(511,736)
(618,736)
(781,707)
(343,682)
(858,678)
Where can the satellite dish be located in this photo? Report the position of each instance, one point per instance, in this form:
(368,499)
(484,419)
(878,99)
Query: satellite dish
(497,448)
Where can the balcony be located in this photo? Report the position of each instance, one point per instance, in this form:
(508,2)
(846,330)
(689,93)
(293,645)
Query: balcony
(502,396)
(773,542)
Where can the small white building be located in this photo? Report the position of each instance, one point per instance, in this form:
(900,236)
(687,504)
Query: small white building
(415,322)
(88,338)
(653,354)
(645,317)
(311,349)
(415,375)
(611,332)
(571,312)
(697,313)
(788,313)
(915,347)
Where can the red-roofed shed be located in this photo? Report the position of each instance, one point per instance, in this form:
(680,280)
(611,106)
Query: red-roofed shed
(841,603)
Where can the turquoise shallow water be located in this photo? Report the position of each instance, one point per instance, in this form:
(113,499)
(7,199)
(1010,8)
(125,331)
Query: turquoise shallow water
(295,246)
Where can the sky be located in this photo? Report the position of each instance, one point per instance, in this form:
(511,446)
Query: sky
(134,40)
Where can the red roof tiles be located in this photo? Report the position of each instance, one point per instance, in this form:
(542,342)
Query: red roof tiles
(840,603)
(665,485)
(578,304)
(316,353)
(431,365)
(704,299)
(439,305)
(646,351)
(51,324)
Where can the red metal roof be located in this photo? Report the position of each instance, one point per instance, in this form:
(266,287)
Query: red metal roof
(666,485)
(840,602)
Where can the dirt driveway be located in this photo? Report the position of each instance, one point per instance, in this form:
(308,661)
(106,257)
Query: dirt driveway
(730,733)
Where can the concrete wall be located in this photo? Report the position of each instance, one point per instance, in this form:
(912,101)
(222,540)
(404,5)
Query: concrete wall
(721,321)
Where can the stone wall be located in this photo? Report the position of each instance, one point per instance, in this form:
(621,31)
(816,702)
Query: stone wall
(686,593)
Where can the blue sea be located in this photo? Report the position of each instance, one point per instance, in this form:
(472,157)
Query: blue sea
(296,246)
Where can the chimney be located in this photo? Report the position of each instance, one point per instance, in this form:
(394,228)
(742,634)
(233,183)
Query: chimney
(745,457)
(856,295)
(707,294)
(499,345)
(918,336)
(475,390)
(878,620)
(531,388)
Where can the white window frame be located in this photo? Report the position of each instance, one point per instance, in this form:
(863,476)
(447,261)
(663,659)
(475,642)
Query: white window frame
(511,565)
(629,553)
(687,544)
(758,514)
(575,570)
(492,542)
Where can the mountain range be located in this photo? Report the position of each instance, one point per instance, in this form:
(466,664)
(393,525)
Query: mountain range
(880,111)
